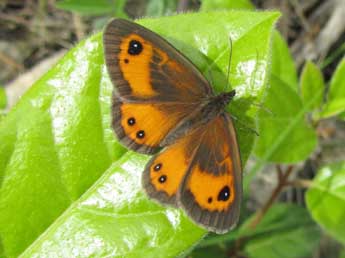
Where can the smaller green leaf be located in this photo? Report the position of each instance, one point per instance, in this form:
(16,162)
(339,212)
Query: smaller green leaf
(282,132)
(311,83)
(3,98)
(336,96)
(326,199)
(160,7)
(342,115)
(283,66)
(278,127)
(285,231)
(342,253)
(119,9)
(94,7)
(209,5)
(211,251)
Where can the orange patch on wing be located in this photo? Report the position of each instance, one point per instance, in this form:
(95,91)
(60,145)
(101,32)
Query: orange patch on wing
(206,188)
(173,164)
(136,68)
(148,118)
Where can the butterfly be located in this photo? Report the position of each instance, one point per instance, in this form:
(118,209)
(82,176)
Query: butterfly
(163,105)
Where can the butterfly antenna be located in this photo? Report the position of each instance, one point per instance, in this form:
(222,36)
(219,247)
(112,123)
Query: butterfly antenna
(210,76)
(229,65)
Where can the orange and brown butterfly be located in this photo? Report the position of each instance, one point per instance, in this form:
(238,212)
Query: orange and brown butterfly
(162,104)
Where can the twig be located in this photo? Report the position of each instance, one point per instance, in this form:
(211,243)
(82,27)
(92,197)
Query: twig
(302,48)
(301,183)
(332,30)
(282,177)
(10,61)
(300,15)
(78,26)
(16,19)
(182,6)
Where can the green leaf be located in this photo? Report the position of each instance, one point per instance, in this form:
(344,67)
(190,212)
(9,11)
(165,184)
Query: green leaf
(342,253)
(209,5)
(283,66)
(284,126)
(160,7)
(55,144)
(212,251)
(57,141)
(312,82)
(3,98)
(94,7)
(114,218)
(285,231)
(342,115)
(282,132)
(326,199)
(336,97)
(249,65)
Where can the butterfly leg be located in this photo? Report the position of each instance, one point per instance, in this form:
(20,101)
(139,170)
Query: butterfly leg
(244,126)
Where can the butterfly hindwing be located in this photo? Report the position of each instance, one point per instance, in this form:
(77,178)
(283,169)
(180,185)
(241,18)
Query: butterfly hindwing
(143,126)
(201,173)
(164,173)
(211,191)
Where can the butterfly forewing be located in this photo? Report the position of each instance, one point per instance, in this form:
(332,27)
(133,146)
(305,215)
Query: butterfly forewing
(145,67)
(156,87)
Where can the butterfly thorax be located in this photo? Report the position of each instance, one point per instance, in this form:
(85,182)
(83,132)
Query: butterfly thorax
(216,104)
(222,100)
(210,108)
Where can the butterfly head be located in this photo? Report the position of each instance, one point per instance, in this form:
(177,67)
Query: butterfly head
(222,100)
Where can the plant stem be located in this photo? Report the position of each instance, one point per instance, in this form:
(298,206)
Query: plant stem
(283,177)
(302,183)
(282,182)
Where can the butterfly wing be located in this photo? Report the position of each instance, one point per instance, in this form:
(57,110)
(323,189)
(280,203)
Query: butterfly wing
(156,87)
(145,67)
(201,173)
(165,171)
(143,126)
(211,191)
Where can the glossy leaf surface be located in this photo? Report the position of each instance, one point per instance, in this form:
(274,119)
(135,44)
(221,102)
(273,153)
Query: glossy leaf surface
(312,83)
(208,5)
(326,199)
(336,97)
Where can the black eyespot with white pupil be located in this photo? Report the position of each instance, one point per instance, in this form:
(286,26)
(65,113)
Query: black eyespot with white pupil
(162,179)
(224,194)
(131,121)
(135,47)
(157,167)
(140,134)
